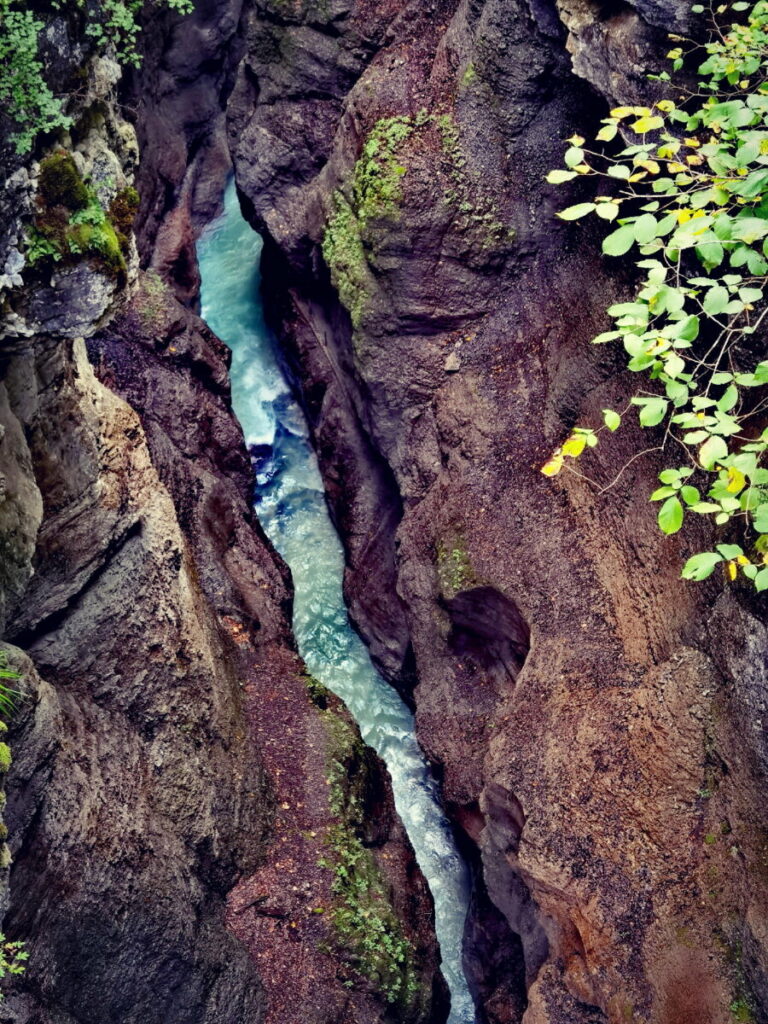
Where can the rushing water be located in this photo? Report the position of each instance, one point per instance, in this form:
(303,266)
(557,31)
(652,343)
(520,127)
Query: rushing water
(290,503)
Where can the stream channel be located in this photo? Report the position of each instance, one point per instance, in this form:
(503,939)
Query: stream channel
(290,503)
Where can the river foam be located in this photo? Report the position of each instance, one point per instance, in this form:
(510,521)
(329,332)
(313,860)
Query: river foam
(290,503)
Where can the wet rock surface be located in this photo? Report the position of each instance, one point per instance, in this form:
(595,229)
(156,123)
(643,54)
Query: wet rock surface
(170,764)
(169,758)
(442,353)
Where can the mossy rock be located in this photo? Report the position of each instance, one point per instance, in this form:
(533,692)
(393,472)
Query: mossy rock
(5,758)
(320,695)
(61,183)
(71,222)
(123,209)
(99,240)
(368,932)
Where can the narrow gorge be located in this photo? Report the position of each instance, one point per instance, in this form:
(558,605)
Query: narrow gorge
(322,703)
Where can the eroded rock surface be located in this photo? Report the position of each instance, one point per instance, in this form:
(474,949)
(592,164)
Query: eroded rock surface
(170,805)
(170,770)
(597,728)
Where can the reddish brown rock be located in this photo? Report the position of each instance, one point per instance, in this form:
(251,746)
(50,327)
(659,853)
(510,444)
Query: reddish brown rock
(610,776)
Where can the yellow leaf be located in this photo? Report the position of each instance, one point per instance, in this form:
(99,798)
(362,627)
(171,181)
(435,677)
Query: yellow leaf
(574,446)
(622,112)
(736,480)
(650,165)
(673,165)
(647,124)
(553,467)
(638,177)
(732,570)
(742,560)
(582,168)
(576,140)
(607,133)
(692,143)
(694,161)
(665,105)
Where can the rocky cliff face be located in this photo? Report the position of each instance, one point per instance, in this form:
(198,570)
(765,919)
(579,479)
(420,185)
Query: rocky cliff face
(171,801)
(597,723)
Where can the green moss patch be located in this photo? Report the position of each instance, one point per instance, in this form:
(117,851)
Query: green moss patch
(71,222)
(60,183)
(454,569)
(368,931)
(375,194)
(122,213)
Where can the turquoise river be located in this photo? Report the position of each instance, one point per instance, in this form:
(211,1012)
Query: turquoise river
(290,504)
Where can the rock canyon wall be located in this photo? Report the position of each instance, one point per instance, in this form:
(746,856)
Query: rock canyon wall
(597,724)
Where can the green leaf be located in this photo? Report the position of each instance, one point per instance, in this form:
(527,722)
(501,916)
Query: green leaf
(760,520)
(608,211)
(712,451)
(698,567)
(559,177)
(749,229)
(671,516)
(729,399)
(619,241)
(611,419)
(574,156)
(619,171)
(601,339)
(761,580)
(645,228)
(607,133)
(716,300)
(574,212)
(688,329)
(663,492)
(729,551)
(674,365)
(690,495)
(711,253)
(653,410)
